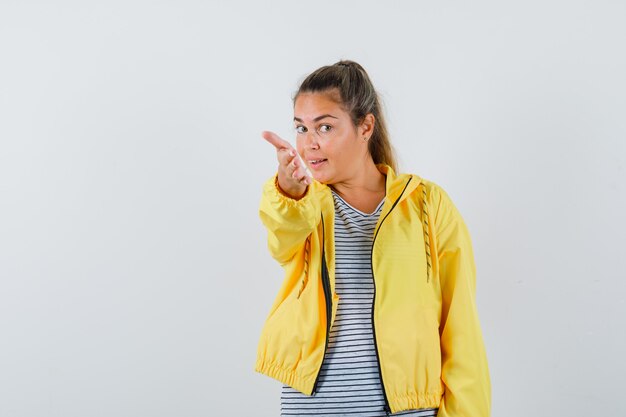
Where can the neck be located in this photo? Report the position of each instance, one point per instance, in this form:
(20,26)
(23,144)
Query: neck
(367,180)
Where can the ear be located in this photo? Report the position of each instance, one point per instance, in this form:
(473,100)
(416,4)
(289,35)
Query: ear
(367,125)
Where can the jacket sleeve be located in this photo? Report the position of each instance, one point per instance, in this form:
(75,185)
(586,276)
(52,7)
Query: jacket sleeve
(288,221)
(464,368)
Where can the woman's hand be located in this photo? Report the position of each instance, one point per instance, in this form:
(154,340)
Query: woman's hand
(292,176)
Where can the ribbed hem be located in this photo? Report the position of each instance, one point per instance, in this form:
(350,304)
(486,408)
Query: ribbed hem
(304,384)
(415,401)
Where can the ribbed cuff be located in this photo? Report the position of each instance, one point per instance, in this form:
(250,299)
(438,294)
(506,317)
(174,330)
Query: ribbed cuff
(280,190)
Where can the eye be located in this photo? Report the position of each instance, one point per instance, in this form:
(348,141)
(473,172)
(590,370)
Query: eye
(325,128)
(300,129)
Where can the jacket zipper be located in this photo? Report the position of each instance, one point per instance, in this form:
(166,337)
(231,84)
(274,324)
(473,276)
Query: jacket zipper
(387,408)
(327,297)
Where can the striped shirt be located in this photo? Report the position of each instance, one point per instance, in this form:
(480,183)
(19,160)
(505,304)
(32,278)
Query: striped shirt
(349,381)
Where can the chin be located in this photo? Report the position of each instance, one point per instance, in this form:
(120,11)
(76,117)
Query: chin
(320,178)
(324,176)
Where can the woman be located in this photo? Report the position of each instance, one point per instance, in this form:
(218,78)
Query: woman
(377,310)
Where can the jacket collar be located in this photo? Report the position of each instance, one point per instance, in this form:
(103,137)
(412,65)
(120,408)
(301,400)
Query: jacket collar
(401,185)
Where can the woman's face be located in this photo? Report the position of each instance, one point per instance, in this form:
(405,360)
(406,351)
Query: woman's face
(331,147)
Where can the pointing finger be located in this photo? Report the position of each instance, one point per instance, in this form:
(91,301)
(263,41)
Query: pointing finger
(275,140)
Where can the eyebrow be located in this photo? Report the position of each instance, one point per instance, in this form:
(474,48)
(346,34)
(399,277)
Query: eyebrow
(317,118)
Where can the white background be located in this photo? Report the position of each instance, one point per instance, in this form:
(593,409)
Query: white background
(134,272)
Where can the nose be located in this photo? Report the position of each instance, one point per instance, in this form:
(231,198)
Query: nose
(311,140)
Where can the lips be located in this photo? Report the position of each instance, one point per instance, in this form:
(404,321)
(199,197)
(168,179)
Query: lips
(316,162)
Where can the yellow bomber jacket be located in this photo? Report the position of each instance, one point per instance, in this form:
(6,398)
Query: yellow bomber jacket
(426,326)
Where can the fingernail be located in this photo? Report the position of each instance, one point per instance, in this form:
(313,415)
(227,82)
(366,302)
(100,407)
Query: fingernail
(292,153)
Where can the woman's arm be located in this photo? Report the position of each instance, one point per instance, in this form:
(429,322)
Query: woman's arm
(288,209)
(465,371)
(288,220)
